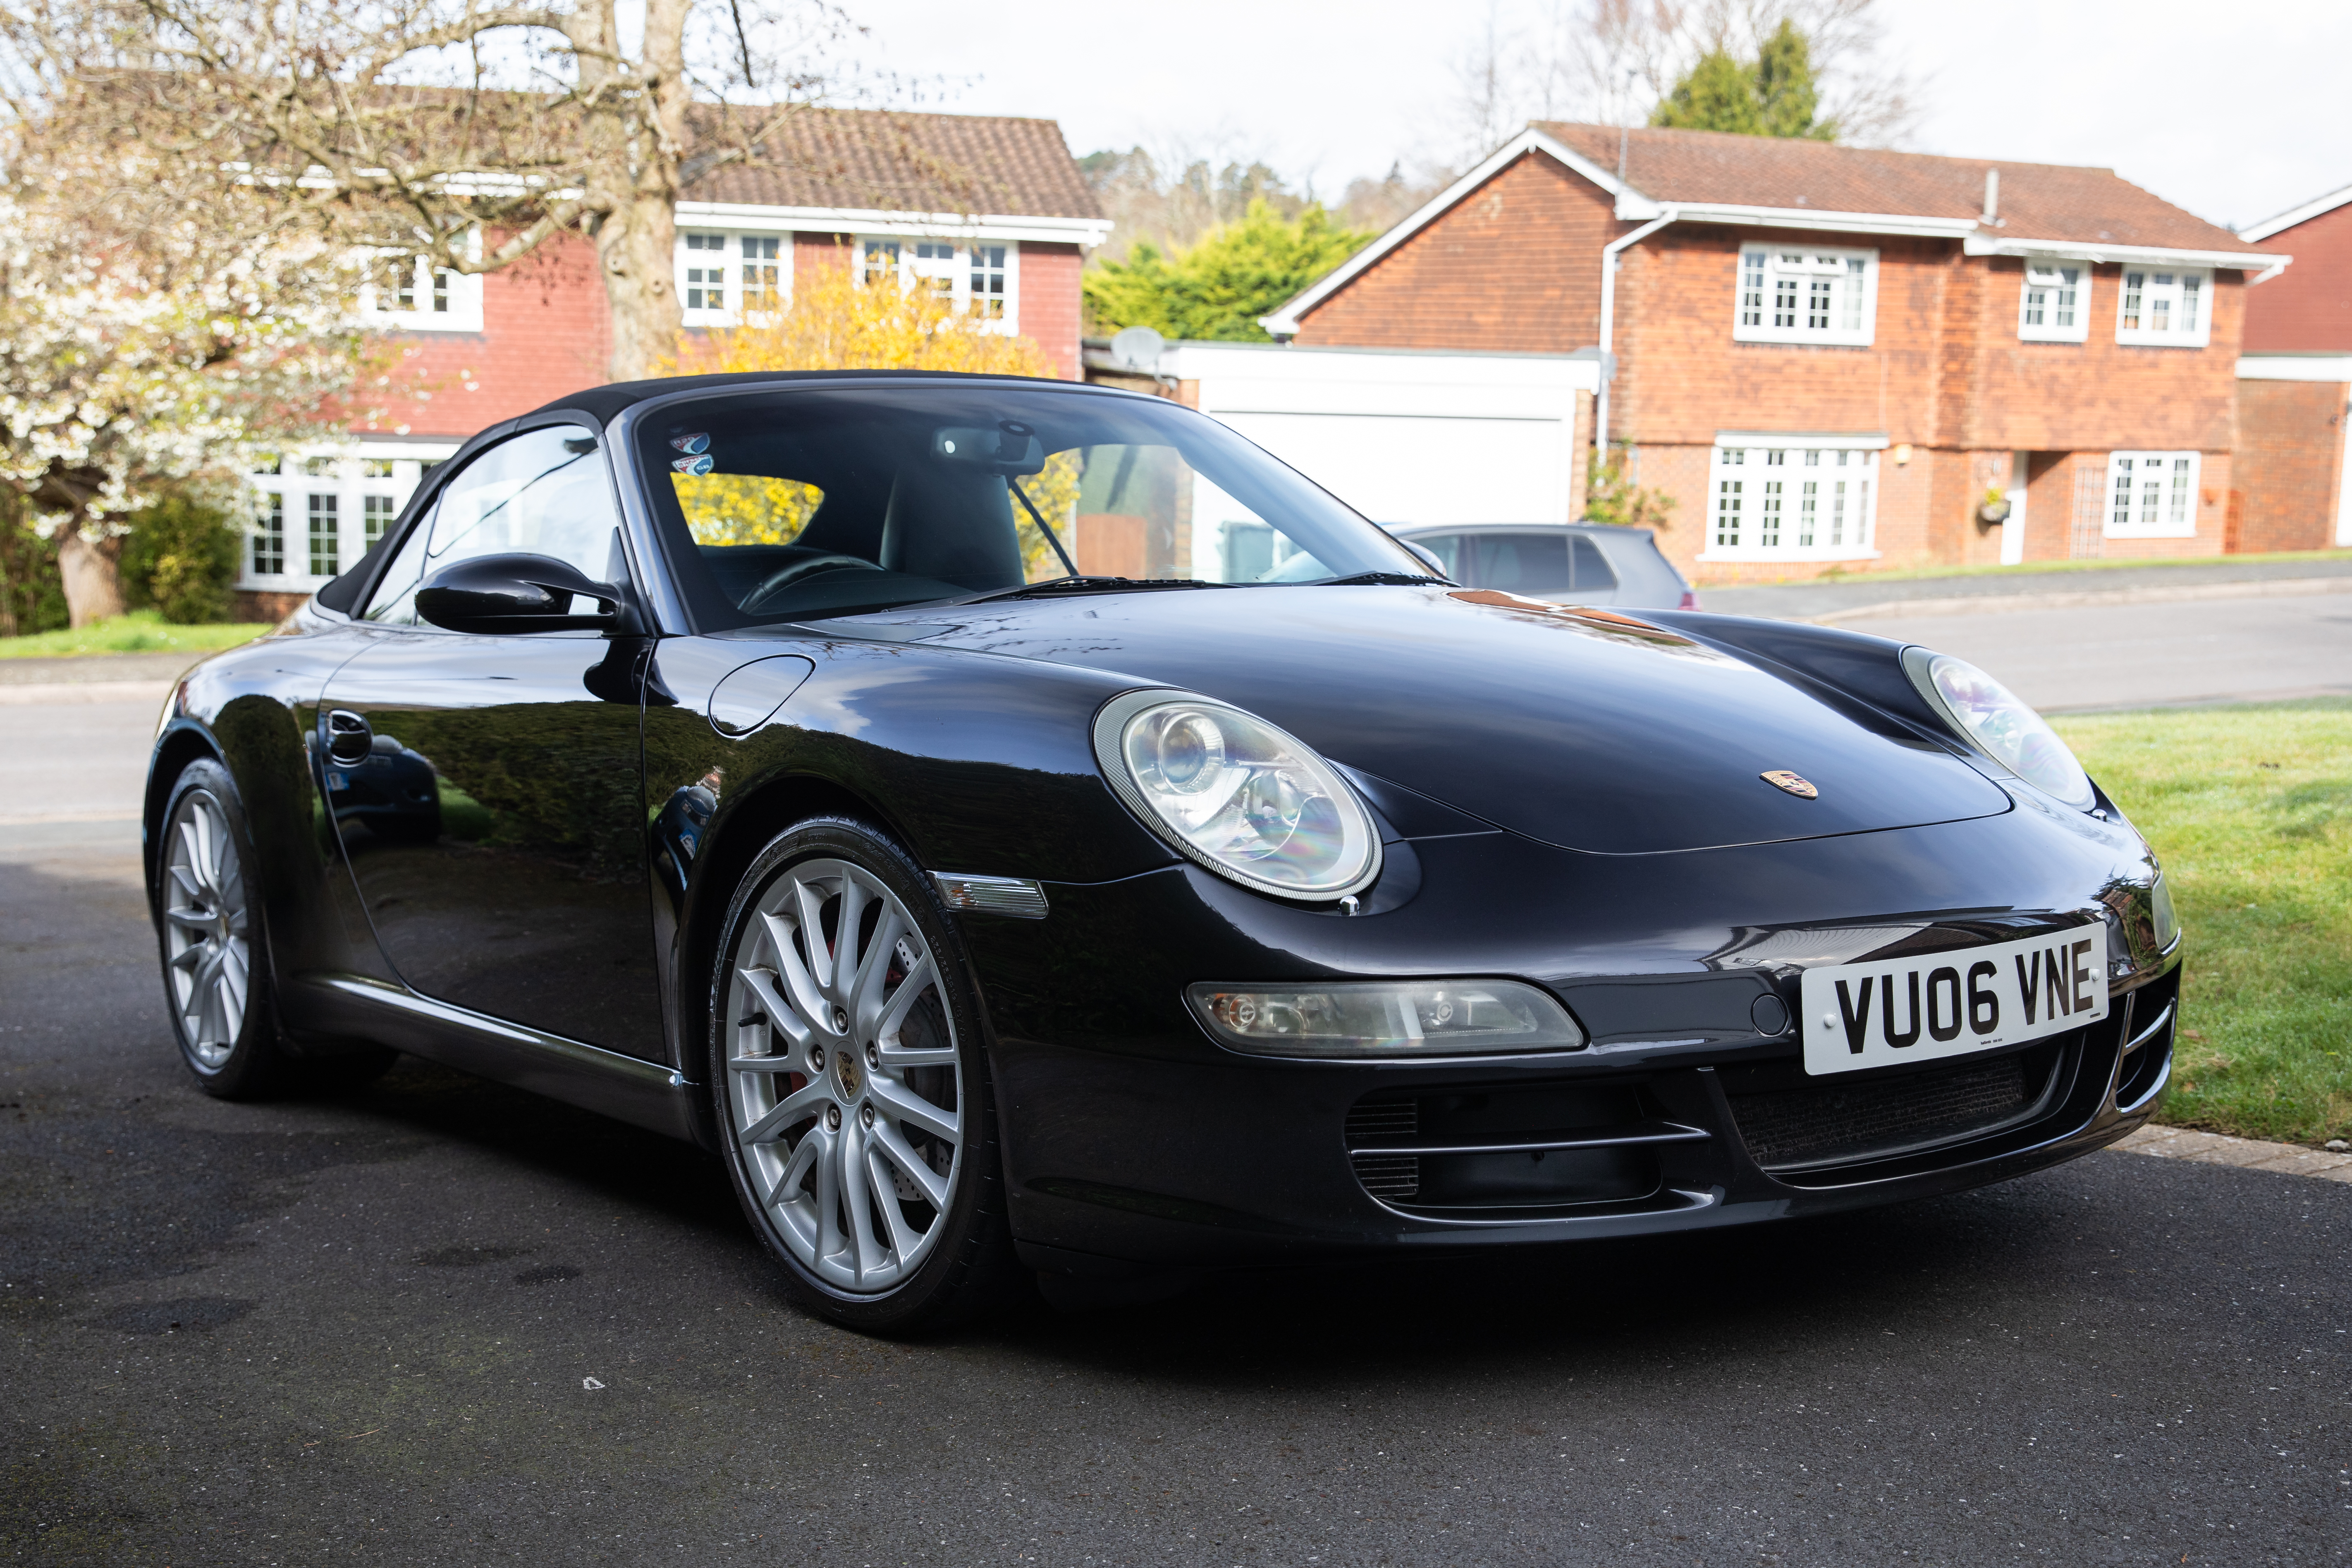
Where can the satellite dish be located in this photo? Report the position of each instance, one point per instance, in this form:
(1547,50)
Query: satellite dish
(1138,349)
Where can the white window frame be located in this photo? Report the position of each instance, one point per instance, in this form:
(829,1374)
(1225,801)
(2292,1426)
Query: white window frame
(955,268)
(731,261)
(2134,508)
(2166,293)
(1782,288)
(1771,507)
(2043,290)
(350,474)
(458,293)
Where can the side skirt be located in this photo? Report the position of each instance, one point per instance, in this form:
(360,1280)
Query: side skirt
(644,1094)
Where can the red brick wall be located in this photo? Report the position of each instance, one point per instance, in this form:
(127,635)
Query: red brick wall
(1515,265)
(545,333)
(1681,378)
(2290,462)
(2098,395)
(1050,307)
(2308,306)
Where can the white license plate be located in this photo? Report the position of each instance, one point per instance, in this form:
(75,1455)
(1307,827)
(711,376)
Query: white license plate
(1861,1016)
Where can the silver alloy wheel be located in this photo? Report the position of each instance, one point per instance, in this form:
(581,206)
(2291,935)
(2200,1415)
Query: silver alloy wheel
(204,926)
(845,1090)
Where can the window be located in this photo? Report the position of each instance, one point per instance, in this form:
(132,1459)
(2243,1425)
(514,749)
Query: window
(933,266)
(543,492)
(725,280)
(376,512)
(2051,306)
(842,499)
(1800,498)
(347,502)
(2163,308)
(763,285)
(705,274)
(2151,495)
(984,279)
(270,536)
(1790,295)
(406,293)
(1530,563)
(326,535)
(988,282)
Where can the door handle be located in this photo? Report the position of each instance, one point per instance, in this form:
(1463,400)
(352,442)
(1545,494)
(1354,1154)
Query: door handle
(349,738)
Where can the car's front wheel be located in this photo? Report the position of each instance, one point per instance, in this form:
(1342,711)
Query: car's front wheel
(851,1084)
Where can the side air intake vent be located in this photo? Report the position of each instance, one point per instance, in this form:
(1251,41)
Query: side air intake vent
(1385,1175)
(1522,1150)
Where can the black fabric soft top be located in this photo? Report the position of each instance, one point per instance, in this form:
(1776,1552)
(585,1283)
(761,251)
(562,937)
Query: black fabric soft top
(600,403)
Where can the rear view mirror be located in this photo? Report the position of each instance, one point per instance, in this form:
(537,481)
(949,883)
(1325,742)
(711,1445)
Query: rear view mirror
(515,592)
(1012,448)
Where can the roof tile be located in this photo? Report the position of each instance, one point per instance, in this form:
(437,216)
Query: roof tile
(2038,201)
(881,159)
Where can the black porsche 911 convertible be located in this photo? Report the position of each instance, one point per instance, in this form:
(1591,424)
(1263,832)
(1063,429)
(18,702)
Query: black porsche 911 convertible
(1024,826)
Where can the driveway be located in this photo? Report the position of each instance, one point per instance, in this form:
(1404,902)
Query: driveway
(441,1321)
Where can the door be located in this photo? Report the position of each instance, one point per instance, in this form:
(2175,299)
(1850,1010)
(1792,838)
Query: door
(486,790)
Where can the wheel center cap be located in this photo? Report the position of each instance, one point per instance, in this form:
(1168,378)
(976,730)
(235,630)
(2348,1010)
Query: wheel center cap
(845,1071)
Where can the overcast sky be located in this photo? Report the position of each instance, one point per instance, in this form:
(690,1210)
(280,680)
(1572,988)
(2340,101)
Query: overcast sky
(2232,111)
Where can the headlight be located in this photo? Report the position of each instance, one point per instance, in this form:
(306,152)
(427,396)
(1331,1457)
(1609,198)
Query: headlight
(2161,917)
(1237,795)
(1987,715)
(1385,1017)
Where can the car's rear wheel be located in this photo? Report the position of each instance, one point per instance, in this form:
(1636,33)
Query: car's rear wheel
(851,1086)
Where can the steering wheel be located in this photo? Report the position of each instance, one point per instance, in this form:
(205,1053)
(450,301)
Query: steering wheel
(785,576)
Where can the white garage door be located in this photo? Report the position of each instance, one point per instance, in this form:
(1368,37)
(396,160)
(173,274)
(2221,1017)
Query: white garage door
(1404,469)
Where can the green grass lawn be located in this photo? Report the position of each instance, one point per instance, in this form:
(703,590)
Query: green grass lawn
(140,631)
(2251,810)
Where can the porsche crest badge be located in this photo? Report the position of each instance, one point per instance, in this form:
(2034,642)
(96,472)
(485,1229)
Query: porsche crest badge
(1782,778)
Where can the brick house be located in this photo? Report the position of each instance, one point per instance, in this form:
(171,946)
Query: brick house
(2295,383)
(895,192)
(1834,357)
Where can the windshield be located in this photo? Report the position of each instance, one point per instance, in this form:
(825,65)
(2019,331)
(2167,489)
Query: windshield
(800,503)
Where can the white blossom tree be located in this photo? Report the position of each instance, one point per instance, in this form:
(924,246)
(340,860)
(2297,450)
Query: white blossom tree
(149,336)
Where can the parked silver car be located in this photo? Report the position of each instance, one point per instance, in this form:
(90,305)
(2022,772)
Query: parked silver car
(1575,562)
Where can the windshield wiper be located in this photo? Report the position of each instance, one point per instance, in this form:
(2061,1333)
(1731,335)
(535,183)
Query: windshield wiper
(1080,584)
(1381,580)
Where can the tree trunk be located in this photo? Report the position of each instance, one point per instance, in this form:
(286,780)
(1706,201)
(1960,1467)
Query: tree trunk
(93,576)
(635,246)
(635,183)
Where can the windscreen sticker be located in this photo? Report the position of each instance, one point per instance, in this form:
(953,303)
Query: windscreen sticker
(693,446)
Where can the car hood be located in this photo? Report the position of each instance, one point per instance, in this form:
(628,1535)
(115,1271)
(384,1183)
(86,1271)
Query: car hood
(1587,729)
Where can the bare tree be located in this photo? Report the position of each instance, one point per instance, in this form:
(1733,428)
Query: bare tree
(1610,61)
(469,132)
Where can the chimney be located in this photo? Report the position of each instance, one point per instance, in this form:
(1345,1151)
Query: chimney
(1992,218)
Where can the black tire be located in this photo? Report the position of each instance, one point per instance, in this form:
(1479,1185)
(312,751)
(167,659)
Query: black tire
(961,1263)
(249,1060)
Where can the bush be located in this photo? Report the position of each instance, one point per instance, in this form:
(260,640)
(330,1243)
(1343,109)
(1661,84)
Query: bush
(32,595)
(180,558)
(1613,498)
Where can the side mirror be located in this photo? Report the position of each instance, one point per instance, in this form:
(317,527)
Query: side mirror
(516,592)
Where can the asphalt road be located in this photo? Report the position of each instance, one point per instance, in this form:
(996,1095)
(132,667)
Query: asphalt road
(441,1321)
(2128,656)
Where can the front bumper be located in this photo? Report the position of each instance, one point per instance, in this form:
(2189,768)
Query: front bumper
(1130,1138)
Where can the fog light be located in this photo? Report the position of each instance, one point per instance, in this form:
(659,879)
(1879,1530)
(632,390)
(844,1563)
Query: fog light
(1386,1018)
